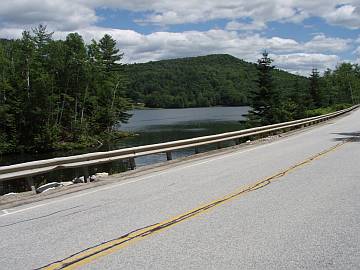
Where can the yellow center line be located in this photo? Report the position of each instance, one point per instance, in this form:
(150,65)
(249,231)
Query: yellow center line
(86,256)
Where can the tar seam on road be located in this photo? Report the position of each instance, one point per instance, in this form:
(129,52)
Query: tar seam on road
(90,254)
(36,218)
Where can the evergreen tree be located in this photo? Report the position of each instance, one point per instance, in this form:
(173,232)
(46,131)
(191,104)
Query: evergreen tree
(9,104)
(265,99)
(301,97)
(315,88)
(109,53)
(41,36)
(110,103)
(346,81)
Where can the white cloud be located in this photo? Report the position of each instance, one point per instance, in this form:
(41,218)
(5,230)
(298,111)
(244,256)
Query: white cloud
(73,14)
(357,51)
(348,15)
(303,62)
(165,12)
(10,32)
(321,43)
(58,14)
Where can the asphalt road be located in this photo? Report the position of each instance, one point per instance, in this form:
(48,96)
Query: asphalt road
(290,204)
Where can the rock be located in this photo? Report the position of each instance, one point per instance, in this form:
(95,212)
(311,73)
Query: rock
(46,190)
(65,184)
(92,178)
(103,174)
(79,180)
(10,194)
(248,141)
(45,187)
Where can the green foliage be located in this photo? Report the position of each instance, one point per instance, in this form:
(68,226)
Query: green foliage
(55,93)
(315,88)
(341,86)
(200,82)
(265,99)
(279,101)
(191,82)
(326,110)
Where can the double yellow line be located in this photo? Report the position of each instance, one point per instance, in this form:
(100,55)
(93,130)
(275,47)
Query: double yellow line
(86,256)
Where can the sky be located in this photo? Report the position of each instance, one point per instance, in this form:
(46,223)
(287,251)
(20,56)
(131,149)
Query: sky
(298,34)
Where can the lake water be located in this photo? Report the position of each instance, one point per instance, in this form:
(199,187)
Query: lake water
(155,126)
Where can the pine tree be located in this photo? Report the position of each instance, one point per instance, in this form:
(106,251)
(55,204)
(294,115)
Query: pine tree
(265,99)
(9,105)
(41,36)
(110,56)
(111,104)
(301,99)
(315,88)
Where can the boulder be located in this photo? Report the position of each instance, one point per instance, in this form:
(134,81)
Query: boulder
(79,180)
(48,186)
(10,194)
(69,183)
(103,174)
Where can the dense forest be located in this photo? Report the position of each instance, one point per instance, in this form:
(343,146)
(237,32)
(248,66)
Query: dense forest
(59,94)
(271,104)
(199,82)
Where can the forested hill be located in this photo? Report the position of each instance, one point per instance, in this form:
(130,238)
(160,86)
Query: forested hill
(200,81)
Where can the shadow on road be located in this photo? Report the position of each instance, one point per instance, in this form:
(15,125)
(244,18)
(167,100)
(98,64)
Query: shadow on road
(348,136)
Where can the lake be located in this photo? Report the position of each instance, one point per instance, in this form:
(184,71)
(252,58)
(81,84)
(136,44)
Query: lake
(163,125)
(154,126)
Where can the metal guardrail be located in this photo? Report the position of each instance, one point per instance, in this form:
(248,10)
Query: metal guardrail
(29,169)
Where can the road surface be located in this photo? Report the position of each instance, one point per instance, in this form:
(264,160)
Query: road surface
(290,204)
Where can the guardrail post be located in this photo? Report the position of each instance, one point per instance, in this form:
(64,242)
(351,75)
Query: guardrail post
(30,182)
(168,155)
(219,146)
(197,151)
(237,141)
(86,174)
(132,163)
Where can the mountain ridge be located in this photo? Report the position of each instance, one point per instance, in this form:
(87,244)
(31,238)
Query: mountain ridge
(201,81)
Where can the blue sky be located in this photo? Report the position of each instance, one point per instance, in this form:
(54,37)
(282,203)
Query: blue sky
(299,35)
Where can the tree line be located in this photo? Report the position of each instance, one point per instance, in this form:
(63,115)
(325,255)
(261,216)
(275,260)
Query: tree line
(333,91)
(202,81)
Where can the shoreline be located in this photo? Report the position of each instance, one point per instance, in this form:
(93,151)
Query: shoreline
(70,147)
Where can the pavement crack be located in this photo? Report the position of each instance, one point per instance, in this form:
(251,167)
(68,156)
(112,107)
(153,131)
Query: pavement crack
(40,217)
